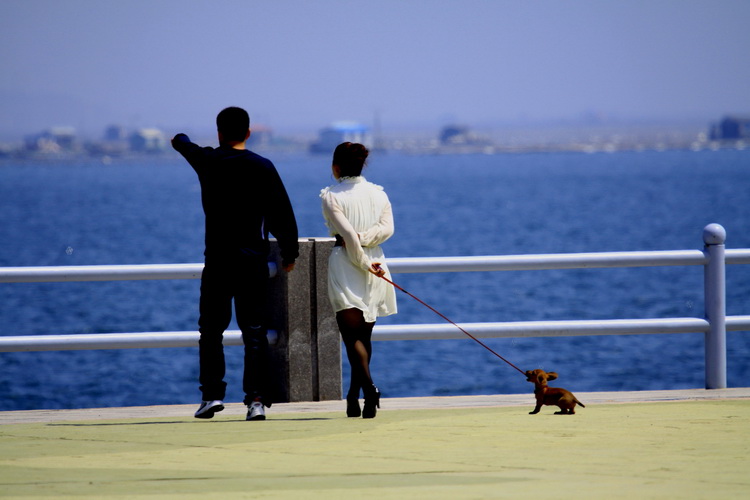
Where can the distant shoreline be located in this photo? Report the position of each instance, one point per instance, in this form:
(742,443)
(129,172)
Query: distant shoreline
(412,149)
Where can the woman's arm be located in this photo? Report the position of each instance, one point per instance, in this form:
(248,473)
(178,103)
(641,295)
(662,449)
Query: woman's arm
(341,225)
(381,231)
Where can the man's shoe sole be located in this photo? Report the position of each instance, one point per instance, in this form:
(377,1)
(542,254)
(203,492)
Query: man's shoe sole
(210,412)
(253,414)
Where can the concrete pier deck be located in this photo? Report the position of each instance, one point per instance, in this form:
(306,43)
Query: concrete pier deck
(653,444)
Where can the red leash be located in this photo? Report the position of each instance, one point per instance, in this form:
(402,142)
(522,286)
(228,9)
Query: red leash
(450,321)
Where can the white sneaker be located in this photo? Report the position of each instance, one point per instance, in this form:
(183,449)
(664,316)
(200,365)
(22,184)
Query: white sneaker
(208,408)
(256,411)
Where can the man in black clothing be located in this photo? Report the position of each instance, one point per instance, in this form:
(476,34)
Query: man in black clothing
(244,200)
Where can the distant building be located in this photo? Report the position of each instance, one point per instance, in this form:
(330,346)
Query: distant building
(731,127)
(114,143)
(459,135)
(338,132)
(148,140)
(54,140)
(260,136)
(115,133)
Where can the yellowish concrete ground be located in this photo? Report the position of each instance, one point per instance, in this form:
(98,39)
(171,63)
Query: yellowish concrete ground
(671,449)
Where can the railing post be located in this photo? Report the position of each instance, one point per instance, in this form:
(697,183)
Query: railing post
(306,359)
(289,305)
(714,237)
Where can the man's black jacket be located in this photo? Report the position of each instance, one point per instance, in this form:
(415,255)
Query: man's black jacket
(244,200)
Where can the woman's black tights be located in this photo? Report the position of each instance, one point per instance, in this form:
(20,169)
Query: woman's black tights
(357,336)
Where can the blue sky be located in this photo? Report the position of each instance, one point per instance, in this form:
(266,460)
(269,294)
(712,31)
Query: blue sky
(298,65)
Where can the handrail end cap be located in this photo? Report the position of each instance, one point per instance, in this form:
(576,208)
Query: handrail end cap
(714,234)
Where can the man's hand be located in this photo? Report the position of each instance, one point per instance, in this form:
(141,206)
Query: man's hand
(288,267)
(178,139)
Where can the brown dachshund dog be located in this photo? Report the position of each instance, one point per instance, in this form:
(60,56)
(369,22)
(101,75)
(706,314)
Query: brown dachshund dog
(553,396)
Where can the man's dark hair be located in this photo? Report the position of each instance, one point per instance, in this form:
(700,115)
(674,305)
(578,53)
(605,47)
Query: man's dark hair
(351,158)
(233,124)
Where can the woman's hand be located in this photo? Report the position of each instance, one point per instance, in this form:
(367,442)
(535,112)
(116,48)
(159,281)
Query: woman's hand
(376,269)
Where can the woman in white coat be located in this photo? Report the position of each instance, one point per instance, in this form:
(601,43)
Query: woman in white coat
(358,213)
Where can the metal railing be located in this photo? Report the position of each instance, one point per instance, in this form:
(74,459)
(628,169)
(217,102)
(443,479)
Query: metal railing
(90,341)
(715,325)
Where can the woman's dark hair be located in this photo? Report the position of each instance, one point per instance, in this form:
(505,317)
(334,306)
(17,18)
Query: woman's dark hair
(233,124)
(351,157)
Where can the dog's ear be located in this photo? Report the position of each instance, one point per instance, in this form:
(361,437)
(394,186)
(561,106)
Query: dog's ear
(551,375)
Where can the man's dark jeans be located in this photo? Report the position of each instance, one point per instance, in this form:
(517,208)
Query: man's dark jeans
(244,279)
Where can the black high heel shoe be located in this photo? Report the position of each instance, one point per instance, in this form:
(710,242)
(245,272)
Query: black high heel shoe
(372,403)
(352,406)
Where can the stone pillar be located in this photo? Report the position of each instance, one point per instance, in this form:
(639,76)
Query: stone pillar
(306,359)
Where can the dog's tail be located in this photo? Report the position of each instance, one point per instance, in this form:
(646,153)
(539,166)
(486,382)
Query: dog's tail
(582,405)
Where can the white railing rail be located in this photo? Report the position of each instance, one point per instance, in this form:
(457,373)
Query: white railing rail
(715,325)
(90,341)
(569,328)
(136,272)
(560,261)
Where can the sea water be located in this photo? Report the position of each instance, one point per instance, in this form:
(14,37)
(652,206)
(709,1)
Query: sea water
(147,210)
